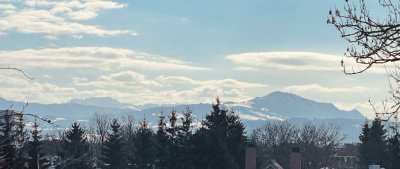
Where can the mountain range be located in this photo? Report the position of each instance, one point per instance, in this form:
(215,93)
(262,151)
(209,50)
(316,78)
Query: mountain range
(254,112)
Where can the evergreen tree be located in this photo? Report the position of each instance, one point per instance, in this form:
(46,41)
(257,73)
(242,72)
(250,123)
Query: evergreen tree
(37,159)
(394,151)
(377,143)
(75,149)
(20,141)
(144,152)
(162,143)
(113,153)
(184,141)
(129,135)
(7,136)
(13,137)
(200,152)
(172,145)
(225,139)
(364,151)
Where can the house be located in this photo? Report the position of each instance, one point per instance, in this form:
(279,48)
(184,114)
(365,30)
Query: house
(295,160)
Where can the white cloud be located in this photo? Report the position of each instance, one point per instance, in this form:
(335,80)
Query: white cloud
(287,60)
(222,83)
(297,61)
(321,89)
(58,17)
(99,58)
(126,86)
(158,90)
(7,6)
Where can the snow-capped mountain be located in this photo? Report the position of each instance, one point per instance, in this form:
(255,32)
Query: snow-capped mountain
(280,105)
(254,112)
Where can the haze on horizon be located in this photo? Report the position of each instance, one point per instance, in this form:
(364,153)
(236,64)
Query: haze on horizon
(177,52)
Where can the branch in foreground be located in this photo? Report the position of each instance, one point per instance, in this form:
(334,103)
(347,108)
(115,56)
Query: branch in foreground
(16,69)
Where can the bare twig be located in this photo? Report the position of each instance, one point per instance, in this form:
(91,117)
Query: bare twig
(16,69)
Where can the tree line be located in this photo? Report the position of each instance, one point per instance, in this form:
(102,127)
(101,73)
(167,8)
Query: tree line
(219,142)
(174,143)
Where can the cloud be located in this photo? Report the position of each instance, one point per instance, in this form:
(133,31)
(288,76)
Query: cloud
(222,83)
(122,80)
(168,89)
(321,89)
(99,58)
(125,86)
(58,17)
(287,60)
(7,6)
(297,61)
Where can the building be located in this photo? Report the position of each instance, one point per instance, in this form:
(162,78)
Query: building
(346,157)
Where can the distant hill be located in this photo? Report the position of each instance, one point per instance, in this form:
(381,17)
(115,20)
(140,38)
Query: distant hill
(287,105)
(102,102)
(254,112)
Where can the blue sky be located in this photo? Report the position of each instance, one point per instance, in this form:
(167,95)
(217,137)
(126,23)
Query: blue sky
(177,51)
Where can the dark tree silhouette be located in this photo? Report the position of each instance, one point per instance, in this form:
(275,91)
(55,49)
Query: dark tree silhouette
(162,143)
(113,152)
(7,137)
(364,151)
(75,149)
(36,157)
(225,139)
(144,153)
(373,144)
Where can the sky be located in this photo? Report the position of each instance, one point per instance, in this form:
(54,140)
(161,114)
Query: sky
(178,51)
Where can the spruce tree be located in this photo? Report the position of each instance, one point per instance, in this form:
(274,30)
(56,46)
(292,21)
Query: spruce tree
(225,139)
(7,136)
(36,157)
(184,141)
(172,144)
(21,137)
(394,151)
(364,151)
(13,137)
(200,152)
(113,155)
(144,152)
(75,149)
(162,143)
(377,143)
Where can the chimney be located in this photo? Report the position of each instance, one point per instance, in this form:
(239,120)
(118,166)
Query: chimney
(251,157)
(295,158)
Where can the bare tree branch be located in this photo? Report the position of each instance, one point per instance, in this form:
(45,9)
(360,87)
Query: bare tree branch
(372,40)
(16,69)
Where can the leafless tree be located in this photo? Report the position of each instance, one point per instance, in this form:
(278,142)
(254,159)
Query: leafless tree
(273,141)
(101,121)
(317,142)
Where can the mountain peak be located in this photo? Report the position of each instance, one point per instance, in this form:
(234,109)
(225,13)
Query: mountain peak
(291,105)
